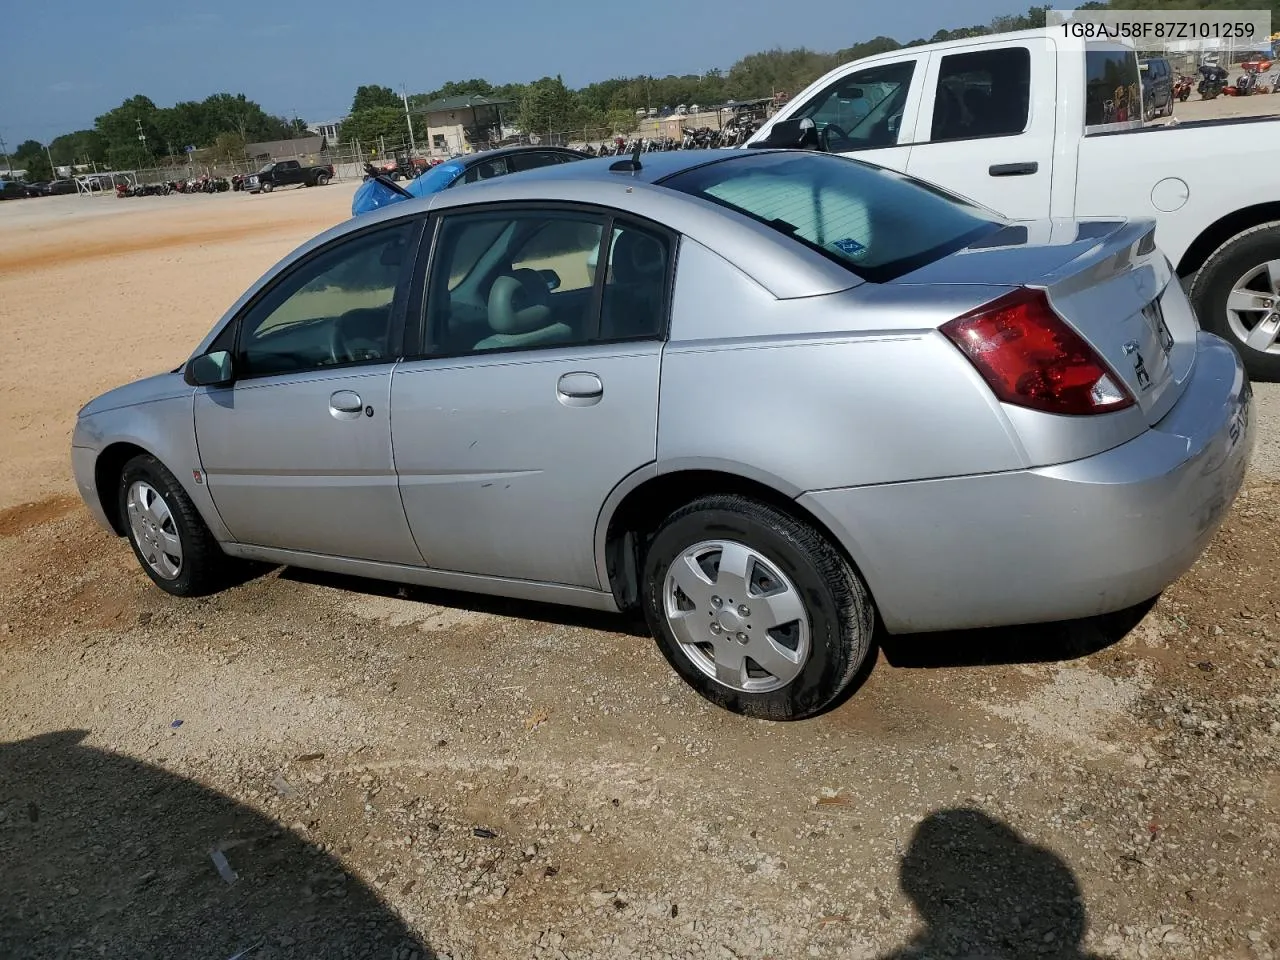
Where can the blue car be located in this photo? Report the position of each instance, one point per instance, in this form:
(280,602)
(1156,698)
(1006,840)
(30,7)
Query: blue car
(378,192)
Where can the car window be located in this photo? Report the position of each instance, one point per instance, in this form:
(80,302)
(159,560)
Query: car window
(635,288)
(334,309)
(532,160)
(486,169)
(863,110)
(982,94)
(1113,88)
(529,285)
(876,222)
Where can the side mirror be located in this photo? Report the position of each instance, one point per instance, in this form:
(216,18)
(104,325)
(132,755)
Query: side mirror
(800,133)
(552,278)
(209,370)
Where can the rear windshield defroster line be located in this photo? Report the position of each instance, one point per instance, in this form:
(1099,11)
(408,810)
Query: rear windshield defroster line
(877,223)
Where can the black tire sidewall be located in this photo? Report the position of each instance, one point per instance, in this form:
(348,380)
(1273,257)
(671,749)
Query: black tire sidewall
(837,634)
(1213,285)
(150,470)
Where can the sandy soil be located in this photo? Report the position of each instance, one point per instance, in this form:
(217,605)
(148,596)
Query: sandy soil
(306,766)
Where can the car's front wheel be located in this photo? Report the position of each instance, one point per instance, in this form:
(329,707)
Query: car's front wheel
(268,187)
(167,533)
(756,610)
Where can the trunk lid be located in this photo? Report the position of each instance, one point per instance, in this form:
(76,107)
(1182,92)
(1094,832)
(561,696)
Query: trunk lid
(1108,280)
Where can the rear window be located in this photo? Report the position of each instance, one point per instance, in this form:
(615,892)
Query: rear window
(878,223)
(1113,88)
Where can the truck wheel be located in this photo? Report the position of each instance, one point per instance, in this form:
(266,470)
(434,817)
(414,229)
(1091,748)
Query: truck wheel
(1237,296)
(268,187)
(321,179)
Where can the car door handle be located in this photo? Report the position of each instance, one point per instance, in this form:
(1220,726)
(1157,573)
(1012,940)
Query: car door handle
(345,405)
(1013,169)
(579,389)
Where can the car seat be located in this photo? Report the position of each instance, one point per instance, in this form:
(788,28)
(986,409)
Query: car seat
(519,310)
(634,293)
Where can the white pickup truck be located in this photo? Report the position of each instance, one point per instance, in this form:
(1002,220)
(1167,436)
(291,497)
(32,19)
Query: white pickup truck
(1034,126)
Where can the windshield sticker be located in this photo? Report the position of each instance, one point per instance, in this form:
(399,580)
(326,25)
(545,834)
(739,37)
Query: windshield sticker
(849,247)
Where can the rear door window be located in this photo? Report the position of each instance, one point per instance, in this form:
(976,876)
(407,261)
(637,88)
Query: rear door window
(1113,89)
(982,94)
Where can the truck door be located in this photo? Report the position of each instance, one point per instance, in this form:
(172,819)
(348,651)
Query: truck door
(986,125)
(868,112)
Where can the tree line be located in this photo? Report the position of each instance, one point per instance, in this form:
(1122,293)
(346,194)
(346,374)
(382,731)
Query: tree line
(140,134)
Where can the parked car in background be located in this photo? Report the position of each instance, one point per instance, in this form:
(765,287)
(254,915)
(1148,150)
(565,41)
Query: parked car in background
(1157,87)
(1034,130)
(806,390)
(472,168)
(38,188)
(13,190)
(285,173)
(61,187)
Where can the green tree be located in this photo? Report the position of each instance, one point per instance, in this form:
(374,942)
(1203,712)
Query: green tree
(368,125)
(547,106)
(229,147)
(30,156)
(120,129)
(372,96)
(82,146)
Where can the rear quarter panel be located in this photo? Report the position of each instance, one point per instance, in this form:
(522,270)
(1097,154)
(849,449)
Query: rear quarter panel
(819,392)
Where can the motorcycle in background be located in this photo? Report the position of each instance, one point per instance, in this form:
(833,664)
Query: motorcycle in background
(1182,87)
(1213,80)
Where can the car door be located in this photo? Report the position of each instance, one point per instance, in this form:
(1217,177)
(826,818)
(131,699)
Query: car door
(868,112)
(296,452)
(986,126)
(537,388)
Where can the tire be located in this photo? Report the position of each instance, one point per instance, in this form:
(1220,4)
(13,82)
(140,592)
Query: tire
(268,187)
(201,566)
(790,559)
(1231,265)
(322,179)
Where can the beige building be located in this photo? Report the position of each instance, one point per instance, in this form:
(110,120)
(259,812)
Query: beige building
(463,124)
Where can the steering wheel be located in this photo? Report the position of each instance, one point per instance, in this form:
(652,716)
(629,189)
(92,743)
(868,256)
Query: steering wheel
(825,137)
(344,349)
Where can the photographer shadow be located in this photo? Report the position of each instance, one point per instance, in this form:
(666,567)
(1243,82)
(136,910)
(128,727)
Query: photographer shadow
(103,855)
(985,893)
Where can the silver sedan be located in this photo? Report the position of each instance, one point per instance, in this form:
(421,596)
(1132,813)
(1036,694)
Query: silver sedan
(801,392)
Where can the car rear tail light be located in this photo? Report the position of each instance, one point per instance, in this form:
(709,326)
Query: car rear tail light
(1030,357)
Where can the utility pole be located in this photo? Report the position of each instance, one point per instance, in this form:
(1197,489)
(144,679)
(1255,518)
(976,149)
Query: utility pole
(52,170)
(142,139)
(5,150)
(404,95)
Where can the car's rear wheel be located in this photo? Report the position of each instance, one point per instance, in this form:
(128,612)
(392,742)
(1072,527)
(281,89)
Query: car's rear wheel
(1237,296)
(167,533)
(322,179)
(756,610)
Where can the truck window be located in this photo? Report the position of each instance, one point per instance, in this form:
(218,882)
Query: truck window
(863,110)
(287,165)
(1113,88)
(982,94)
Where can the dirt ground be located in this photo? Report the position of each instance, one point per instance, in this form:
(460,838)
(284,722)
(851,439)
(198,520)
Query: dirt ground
(307,766)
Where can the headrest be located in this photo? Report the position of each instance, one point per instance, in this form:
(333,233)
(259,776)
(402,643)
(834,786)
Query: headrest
(519,302)
(636,256)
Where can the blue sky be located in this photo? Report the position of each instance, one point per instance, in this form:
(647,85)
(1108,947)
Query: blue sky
(65,63)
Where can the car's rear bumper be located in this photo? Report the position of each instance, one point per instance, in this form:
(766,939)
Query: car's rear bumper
(1055,543)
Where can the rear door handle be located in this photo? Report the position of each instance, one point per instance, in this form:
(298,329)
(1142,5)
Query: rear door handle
(1013,169)
(345,405)
(579,389)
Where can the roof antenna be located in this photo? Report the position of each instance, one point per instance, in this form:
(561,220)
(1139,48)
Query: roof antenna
(628,165)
